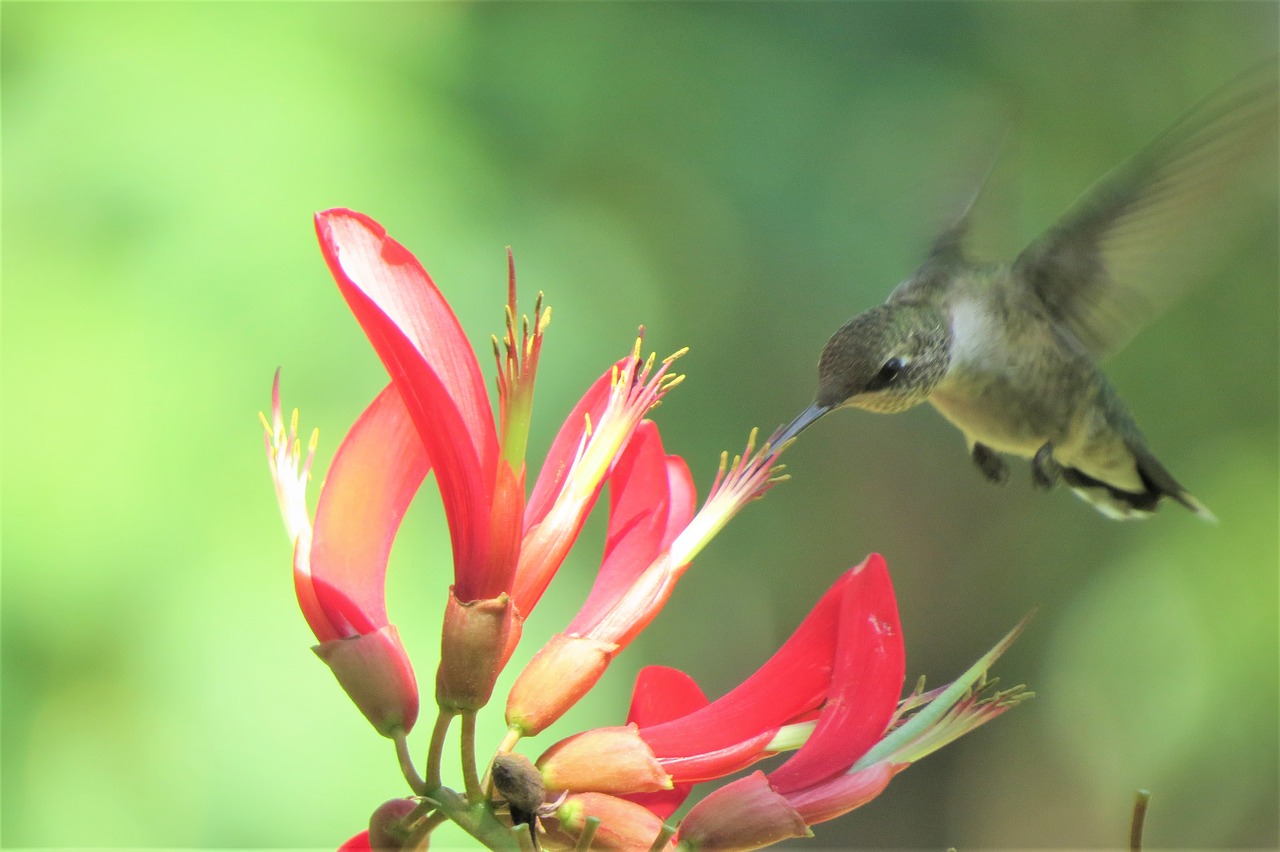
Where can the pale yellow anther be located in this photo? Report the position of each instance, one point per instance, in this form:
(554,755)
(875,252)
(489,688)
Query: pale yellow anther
(544,318)
(635,350)
(674,355)
(266,424)
(586,424)
(293,423)
(314,442)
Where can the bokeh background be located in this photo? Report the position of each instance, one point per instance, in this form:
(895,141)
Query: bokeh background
(739,179)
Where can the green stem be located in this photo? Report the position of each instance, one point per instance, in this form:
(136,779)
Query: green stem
(470,778)
(422,832)
(410,772)
(475,819)
(588,834)
(437,749)
(1140,802)
(664,836)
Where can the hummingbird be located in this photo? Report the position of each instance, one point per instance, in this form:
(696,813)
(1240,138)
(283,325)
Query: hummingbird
(1008,352)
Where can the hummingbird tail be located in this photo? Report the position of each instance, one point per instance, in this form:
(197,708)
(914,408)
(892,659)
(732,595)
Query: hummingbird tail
(1119,504)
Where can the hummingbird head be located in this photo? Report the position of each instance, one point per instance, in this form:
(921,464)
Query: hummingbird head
(887,359)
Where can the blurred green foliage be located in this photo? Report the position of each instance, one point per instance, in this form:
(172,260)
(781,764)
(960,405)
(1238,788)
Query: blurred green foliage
(738,178)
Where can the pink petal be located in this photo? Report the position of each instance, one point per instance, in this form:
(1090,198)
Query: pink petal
(865,685)
(423,348)
(375,474)
(660,695)
(717,739)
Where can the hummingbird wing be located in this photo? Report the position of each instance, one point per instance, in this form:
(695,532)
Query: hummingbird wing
(1128,247)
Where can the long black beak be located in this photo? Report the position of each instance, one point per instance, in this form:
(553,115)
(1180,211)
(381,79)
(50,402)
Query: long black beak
(803,420)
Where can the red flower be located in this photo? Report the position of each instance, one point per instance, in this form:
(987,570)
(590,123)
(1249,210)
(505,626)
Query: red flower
(339,563)
(652,538)
(832,689)
(505,552)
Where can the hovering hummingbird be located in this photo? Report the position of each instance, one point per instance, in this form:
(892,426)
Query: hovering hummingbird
(1008,352)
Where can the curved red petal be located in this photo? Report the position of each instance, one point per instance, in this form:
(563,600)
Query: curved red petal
(370,484)
(639,511)
(660,695)
(424,350)
(865,685)
(793,682)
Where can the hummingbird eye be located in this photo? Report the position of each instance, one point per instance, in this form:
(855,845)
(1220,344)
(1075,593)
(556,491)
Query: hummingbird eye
(887,374)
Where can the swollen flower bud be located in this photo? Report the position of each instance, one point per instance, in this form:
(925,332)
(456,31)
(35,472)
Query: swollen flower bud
(605,760)
(558,675)
(375,672)
(744,814)
(387,829)
(624,825)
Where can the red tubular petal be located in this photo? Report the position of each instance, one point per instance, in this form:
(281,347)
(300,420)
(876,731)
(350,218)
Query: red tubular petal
(660,695)
(374,476)
(865,685)
(640,523)
(791,683)
(423,348)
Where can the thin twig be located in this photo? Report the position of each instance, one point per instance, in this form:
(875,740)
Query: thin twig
(1140,802)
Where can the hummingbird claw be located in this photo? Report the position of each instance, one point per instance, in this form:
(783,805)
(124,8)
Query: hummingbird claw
(989,462)
(1045,470)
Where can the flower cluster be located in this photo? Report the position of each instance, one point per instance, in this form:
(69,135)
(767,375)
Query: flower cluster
(831,692)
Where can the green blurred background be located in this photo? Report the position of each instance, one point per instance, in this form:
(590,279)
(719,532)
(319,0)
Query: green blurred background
(739,179)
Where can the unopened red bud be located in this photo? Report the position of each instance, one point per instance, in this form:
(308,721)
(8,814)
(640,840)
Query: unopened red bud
(387,828)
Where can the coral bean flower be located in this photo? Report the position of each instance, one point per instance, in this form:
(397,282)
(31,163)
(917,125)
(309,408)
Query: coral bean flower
(832,689)
(504,549)
(340,561)
(652,538)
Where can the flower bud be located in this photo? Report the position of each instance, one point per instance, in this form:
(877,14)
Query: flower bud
(386,827)
(604,760)
(374,670)
(744,814)
(623,825)
(557,676)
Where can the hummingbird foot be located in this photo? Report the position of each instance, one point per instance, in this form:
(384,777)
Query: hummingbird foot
(1045,470)
(994,468)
